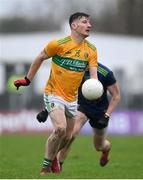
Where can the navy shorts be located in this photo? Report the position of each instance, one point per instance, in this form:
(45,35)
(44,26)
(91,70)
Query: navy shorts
(93,118)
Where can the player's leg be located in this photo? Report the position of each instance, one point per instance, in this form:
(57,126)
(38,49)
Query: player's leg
(102,144)
(59,122)
(70,120)
(56,166)
(80,120)
(55,107)
(68,134)
(64,142)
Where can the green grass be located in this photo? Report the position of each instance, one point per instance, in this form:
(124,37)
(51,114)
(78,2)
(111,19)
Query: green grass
(21,157)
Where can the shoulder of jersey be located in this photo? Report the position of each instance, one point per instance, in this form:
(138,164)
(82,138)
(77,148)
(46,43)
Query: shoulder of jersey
(103,69)
(90,45)
(64,40)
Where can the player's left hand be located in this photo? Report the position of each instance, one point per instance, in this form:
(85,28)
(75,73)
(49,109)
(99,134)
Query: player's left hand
(103,122)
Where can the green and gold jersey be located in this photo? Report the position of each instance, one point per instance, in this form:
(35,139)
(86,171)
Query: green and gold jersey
(69,62)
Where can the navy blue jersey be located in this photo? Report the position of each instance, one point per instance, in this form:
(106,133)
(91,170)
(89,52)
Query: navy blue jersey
(98,107)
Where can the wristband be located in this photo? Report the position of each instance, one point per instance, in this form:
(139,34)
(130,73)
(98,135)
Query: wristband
(27,80)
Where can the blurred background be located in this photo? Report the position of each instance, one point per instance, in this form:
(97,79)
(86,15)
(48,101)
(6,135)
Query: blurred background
(25,28)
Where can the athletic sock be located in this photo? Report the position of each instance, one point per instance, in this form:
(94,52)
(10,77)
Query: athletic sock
(47,163)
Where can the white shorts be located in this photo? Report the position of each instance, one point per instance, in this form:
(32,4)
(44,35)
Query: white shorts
(52,102)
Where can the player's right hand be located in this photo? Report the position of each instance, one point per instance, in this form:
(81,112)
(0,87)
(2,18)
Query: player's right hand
(22,82)
(103,121)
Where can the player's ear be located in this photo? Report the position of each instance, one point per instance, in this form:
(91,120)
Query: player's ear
(74,25)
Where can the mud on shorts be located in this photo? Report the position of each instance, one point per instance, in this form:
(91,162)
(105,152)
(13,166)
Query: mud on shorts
(52,102)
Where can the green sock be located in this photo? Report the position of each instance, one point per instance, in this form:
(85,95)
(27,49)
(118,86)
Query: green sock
(47,163)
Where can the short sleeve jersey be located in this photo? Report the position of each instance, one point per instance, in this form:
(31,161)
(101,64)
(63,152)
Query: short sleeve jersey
(69,62)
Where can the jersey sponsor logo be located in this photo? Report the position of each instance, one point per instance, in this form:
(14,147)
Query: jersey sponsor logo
(70,64)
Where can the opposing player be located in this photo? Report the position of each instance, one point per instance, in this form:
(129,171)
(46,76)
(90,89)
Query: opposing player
(97,112)
(70,57)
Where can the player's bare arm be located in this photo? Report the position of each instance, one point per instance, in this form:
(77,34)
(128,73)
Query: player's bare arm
(93,72)
(36,64)
(115,93)
(32,71)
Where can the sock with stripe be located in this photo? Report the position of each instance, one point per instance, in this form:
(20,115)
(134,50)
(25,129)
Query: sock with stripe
(47,163)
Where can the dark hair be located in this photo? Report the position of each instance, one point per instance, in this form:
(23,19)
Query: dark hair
(76,16)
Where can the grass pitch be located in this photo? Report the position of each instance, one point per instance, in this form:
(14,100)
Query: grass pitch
(21,157)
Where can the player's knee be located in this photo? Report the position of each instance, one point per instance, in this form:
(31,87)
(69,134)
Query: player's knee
(60,131)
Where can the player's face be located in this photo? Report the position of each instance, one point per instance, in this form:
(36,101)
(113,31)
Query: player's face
(83,26)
